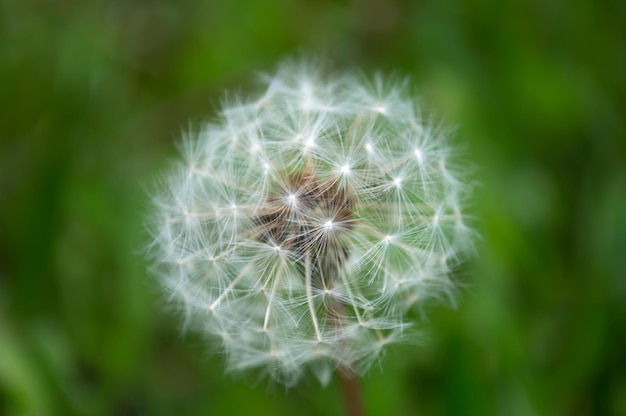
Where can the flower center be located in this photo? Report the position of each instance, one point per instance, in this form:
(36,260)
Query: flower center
(310,218)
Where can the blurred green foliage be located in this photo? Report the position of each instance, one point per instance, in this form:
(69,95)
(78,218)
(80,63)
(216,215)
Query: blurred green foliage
(93,95)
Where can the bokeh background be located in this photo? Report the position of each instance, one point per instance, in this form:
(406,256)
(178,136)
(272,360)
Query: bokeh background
(94,95)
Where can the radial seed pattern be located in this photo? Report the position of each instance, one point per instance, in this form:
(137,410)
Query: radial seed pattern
(304,224)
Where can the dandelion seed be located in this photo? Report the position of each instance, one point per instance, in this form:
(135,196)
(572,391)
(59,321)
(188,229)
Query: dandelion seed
(309,143)
(280,236)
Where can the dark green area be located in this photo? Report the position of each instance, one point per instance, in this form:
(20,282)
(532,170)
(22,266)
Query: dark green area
(94,94)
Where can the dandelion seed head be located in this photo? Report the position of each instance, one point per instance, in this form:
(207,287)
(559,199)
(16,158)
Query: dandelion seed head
(300,229)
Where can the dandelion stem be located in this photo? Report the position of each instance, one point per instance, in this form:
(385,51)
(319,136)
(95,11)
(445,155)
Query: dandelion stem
(351,392)
(348,378)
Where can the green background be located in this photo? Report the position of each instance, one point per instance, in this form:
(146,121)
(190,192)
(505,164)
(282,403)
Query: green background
(94,95)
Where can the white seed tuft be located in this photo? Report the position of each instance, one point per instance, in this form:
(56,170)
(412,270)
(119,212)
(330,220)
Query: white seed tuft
(303,225)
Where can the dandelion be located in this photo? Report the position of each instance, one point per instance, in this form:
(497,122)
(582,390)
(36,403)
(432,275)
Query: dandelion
(305,223)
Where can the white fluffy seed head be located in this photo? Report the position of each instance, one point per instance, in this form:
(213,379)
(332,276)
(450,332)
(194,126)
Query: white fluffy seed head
(304,224)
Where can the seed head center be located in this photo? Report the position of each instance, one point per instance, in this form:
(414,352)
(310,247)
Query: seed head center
(294,226)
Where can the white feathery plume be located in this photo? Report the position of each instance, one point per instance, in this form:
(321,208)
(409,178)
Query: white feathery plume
(302,225)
